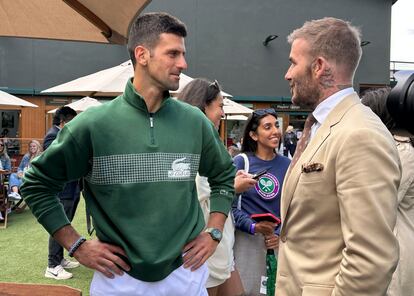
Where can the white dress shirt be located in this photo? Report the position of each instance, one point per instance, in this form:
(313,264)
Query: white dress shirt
(322,111)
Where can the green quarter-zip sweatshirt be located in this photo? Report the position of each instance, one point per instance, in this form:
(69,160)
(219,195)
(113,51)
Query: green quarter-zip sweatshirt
(139,171)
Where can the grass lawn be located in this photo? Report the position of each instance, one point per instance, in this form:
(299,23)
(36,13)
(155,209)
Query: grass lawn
(24,249)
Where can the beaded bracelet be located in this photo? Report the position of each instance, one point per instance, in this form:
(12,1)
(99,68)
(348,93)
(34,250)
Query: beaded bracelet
(76,246)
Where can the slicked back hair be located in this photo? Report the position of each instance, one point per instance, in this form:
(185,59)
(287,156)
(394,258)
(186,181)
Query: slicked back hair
(147,28)
(334,39)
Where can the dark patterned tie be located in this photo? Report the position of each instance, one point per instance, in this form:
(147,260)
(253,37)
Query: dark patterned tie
(304,139)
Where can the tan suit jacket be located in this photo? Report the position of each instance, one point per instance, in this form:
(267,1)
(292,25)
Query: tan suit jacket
(337,233)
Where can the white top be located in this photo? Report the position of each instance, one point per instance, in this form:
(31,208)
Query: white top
(322,111)
(221,263)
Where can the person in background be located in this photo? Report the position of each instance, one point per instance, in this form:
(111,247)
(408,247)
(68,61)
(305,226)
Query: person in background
(340,194)
(289,141)
(402,283)
(224,279)
(261,138)
(140,154)
(4,136)
(16,179)
(69,198)
(3,153)
(235,133)
(4,157)
(5,165)
(233,150)
(11,144)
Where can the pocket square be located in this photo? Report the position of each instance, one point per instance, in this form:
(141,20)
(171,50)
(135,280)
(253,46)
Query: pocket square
(312,167)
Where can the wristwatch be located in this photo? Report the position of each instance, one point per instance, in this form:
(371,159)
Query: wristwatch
(215,234)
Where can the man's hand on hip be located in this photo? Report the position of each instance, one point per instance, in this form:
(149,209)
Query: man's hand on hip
(199,250)
(102,257)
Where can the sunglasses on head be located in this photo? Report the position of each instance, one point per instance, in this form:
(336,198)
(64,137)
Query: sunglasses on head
(215,84)
(261,112)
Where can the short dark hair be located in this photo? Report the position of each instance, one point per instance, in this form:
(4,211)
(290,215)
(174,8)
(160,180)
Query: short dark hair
(64,113)
(253,122)
(334,39)
(200,92)
(147,28)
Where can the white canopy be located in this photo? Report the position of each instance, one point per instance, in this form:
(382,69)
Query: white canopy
(81,105)
(236,117)
(233,108)
(109,82)
(10,100)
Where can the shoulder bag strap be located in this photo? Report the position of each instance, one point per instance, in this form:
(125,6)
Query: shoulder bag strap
(246,169)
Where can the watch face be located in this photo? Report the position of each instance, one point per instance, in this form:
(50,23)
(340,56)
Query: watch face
(216,234)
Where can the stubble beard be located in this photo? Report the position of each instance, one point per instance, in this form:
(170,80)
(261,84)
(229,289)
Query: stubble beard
(173,86)
(166,84)
(307,92)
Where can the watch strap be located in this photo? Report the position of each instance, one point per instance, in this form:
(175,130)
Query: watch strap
(210,231)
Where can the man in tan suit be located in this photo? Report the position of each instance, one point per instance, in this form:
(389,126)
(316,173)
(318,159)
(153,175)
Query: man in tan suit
(339,199)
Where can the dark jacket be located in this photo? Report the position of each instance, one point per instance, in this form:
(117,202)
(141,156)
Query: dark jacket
(71,189)
(290,139)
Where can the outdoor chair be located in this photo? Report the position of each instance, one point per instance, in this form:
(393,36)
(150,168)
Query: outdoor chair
(4,206)
(20,289)
(15,162)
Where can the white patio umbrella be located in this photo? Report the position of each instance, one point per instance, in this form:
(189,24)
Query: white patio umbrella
(81,105)
(109,82)
(232,108)
(104,21)
(237,117)
(234,111)
(7,99)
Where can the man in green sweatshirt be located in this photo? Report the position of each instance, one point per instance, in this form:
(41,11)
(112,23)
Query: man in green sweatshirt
(139,155)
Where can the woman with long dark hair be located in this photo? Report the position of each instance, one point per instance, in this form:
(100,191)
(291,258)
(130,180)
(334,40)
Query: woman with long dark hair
(261,139)
(223,279)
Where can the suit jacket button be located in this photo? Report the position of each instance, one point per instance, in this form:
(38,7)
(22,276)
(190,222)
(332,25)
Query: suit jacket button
(283,238)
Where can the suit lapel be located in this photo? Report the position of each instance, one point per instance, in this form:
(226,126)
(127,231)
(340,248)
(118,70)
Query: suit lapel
(318,139)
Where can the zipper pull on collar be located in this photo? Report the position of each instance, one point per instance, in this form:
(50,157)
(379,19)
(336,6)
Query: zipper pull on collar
(151,119)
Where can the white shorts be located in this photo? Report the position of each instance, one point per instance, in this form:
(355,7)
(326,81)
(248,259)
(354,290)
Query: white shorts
(180,282)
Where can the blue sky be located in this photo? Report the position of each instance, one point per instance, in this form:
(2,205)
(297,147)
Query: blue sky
(402,31)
